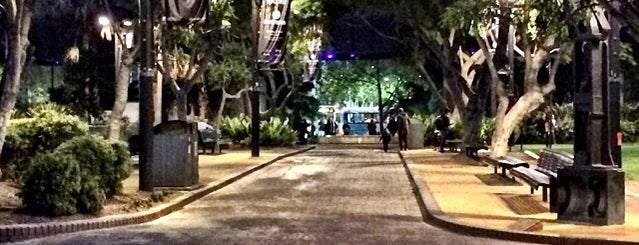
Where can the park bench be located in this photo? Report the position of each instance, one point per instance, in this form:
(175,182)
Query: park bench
(453,145)
(506,163)
(221,144)
(545,174)
(209,139)
(471,150)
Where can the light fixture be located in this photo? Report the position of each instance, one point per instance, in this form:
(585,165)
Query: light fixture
(104,21)
(127,23)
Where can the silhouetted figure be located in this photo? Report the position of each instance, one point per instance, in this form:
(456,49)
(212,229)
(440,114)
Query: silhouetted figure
(372,129)
(392,125)
(346,128)
(385,138)
(402,129)
(441,124)
(330,127)
(549,129)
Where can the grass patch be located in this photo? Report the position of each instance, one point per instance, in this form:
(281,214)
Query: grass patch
(629,156)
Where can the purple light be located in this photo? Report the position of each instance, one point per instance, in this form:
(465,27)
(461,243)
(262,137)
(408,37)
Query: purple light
(329,55)
(352,55)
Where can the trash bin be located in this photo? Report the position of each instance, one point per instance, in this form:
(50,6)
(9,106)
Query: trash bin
(415,135)
(175,155)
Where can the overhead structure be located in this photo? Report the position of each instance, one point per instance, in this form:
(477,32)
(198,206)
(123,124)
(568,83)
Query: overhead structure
(592,190)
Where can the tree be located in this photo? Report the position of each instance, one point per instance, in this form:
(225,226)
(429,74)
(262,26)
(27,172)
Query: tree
(433,50)
(17,14)
(305,34)
(188,50)
(542,36)
(353,81)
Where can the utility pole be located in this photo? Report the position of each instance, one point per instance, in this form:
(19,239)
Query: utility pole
(380,101)
(255,93)
(147,79)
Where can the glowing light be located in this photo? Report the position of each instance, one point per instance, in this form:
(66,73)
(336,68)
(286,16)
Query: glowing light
(103,20)
(127,23)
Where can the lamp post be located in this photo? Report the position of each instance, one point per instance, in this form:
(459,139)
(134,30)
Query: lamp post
(147,79)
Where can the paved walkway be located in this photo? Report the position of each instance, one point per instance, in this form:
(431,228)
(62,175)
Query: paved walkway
(471,194)
(324,196)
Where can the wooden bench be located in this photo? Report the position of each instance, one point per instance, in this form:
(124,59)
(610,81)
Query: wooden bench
(506,163)
(545,174)
(471,150)
(453,145)
(212,144)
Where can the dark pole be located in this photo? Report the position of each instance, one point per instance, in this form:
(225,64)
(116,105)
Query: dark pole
(379,101)
(147,78)
(52,74)
(255,93)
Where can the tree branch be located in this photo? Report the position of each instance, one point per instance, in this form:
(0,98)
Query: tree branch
(377,31)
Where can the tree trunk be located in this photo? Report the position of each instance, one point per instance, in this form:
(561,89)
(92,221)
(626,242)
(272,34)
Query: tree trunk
(203,101)
(18,43)
(182,104)
(474,110)
(527,103)
(121,95)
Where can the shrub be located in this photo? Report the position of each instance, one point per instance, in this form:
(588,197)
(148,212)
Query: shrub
(276,132)
(486,128)
(51,184)
(46,128)
(97,157)
(122,167)
(236,128)
(99,166)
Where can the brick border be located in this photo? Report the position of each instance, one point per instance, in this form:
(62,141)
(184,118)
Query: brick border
(19,232)
(433,215)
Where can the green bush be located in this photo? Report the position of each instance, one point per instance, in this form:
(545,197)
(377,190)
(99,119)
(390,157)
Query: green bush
(630,122)
(97,157)
(486,129)
(94,169)
(235,128)
(51,185)
(45,128)
(122,166)
(276,132)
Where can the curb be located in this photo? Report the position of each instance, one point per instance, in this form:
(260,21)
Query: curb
(433,215)
(19,232)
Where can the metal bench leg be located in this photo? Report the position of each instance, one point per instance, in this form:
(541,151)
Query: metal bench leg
(495,169)
(532,190)
(545,194)
(503,171)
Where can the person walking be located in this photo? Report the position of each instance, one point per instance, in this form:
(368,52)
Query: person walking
(385,138)
(391,124)
(402,129)
(441,124)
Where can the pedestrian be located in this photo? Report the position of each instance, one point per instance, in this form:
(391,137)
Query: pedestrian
(402,129)
(392,124)
(330,127)
(385,138)
(346,128)
(372,128)
(549,129)
(441,124)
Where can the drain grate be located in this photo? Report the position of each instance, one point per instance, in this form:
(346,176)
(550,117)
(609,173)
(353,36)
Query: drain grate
(496,180)
(522,204)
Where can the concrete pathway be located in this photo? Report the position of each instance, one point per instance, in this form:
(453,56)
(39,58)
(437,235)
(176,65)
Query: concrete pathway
(324,196)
